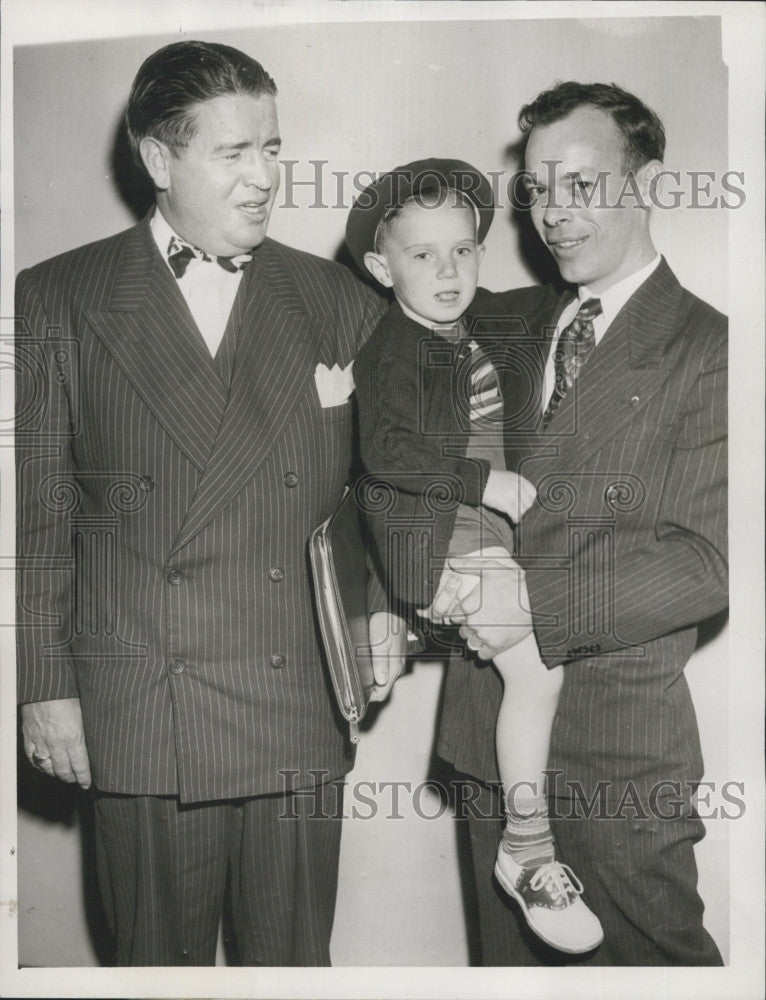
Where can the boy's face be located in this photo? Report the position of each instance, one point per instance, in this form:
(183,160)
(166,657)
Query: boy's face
(431,260)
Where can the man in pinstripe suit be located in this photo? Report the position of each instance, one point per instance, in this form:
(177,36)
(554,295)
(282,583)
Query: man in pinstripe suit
(174,453)
(623,554)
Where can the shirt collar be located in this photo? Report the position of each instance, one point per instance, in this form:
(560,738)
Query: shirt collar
(614,298)
(162,232)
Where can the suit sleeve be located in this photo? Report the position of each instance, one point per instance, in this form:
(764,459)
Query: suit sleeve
(45,378)
(673,578)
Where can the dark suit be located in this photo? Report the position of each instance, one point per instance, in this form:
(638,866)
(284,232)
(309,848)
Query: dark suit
(165,503)
(625,552)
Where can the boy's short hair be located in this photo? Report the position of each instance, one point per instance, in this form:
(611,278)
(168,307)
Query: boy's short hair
(431,197)
(386,196)
(175,78)
(643,134)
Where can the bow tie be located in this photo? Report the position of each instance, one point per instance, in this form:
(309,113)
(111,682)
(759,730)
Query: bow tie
(180,253)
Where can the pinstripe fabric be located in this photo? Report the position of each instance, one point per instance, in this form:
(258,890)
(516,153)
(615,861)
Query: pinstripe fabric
(625,552)
(184,622)
(162,868)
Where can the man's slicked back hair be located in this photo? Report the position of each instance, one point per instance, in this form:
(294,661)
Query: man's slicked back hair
(173,80)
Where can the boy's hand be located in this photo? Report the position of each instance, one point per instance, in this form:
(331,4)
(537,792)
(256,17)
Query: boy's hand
(509,493)
(388,642)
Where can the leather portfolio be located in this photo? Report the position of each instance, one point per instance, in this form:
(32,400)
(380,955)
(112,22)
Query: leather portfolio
(339,565)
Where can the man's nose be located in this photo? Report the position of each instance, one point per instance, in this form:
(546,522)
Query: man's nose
(257,173)
(555,212)
(446,267)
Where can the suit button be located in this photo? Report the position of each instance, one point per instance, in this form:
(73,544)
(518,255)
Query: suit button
(635,400)
(291,479)
(175,577)
(177,666)
(276,575)
(278,660)
(146,483)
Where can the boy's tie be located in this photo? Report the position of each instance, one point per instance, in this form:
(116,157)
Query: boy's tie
(576,342)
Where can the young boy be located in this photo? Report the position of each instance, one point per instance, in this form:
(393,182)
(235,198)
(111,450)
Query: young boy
(431,432)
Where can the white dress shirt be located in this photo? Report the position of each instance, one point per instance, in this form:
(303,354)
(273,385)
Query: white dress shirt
(612,300)
(209,290)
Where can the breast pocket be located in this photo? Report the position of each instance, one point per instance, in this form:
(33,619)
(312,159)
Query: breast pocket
(332,415)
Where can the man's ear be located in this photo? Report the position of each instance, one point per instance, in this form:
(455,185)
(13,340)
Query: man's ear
(378,268)
(646,176)
(155,156)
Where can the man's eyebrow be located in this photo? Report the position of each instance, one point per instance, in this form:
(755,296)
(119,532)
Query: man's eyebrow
(246,144)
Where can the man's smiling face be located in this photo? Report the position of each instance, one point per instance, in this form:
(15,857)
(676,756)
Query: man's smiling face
(596,238)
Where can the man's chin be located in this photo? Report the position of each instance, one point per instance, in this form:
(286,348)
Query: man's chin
(250,236)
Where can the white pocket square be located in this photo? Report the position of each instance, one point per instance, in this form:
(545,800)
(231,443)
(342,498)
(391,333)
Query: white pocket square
(334,385)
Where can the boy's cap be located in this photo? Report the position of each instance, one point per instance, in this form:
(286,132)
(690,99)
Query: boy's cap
(418,177)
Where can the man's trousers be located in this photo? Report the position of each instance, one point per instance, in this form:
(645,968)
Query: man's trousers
(163,868)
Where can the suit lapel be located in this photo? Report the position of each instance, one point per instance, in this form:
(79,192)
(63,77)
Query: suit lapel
(275,360)
(622,373)
(149,331)
(523,385)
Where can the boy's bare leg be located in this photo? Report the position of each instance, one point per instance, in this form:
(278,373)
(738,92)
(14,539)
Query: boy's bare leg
(526,865)
(525,720)
(524,724)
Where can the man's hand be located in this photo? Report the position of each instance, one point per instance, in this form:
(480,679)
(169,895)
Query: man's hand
(509,493)
(493,610)
(54,740)
(388,640)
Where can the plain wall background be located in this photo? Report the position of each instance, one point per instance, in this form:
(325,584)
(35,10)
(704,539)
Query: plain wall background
(366,97)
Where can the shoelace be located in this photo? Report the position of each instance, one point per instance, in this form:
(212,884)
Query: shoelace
(558,878)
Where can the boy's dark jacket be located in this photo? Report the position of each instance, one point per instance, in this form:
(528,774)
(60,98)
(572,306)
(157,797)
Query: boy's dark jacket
(411,387)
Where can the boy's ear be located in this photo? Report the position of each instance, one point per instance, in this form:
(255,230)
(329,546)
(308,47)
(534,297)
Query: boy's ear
(378,268)
(480,248)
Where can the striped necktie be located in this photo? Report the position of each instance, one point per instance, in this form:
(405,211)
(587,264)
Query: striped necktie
(484,400)
(576,342)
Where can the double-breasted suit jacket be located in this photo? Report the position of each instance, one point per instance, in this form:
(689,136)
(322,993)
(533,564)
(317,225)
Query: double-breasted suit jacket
(625,552)
(165,501)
